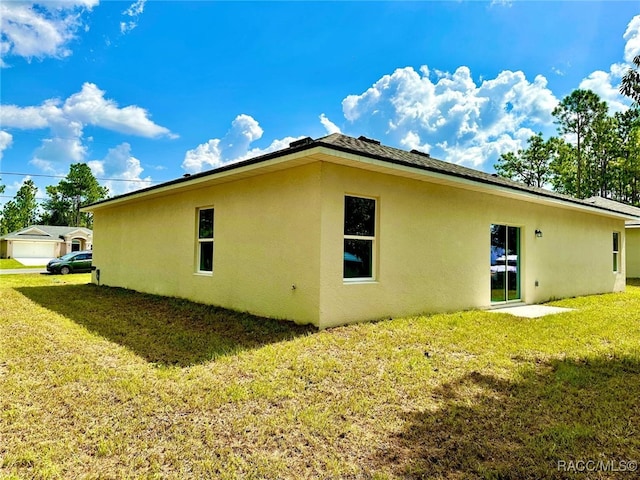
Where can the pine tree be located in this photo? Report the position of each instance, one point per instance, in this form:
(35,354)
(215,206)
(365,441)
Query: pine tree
(78,188)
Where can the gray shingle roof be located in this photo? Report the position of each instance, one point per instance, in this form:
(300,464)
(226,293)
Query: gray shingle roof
(612,204)
(374,149)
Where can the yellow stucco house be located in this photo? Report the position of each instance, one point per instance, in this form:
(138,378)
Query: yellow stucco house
(633,244)
(340,230)
(632,233)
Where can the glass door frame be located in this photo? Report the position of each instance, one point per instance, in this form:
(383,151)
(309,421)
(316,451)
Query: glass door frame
(506,263)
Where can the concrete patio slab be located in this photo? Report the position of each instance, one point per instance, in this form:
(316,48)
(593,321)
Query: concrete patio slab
(531,311)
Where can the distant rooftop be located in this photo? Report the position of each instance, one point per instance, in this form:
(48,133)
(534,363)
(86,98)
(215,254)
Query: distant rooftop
(43,232)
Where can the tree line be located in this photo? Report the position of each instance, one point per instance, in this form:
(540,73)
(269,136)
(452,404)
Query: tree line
(594,154)
(62,207)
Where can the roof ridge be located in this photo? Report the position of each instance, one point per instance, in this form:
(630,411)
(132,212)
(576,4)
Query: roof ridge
(371,148)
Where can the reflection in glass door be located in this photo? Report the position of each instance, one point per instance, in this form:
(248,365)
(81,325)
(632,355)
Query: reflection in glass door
(505,263)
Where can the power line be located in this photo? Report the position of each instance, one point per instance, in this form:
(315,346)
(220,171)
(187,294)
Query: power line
(9,196)
(64,176)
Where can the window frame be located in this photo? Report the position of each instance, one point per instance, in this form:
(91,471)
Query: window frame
(200,241)
(370,238)
(616,252)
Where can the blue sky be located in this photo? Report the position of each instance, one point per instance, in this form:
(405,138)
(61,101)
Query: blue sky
(145,92)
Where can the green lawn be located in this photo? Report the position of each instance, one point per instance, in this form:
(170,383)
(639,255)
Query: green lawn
(97,382)
(12,263)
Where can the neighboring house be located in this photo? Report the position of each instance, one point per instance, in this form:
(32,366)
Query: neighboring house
(632,229)
(44,241)
(340,230)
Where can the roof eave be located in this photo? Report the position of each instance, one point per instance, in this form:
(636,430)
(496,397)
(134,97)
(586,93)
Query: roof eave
(318,150)
(513,190)
(238,169)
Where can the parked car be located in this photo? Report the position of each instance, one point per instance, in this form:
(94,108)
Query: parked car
(73,262)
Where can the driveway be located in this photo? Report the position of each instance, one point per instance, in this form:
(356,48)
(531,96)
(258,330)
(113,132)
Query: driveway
(34,262)
(23,270)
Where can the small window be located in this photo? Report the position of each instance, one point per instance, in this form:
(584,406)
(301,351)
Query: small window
(616,252)
(205,240)
(359,237)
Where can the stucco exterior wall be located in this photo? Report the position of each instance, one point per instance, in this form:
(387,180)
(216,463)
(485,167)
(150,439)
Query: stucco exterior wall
(633,252)
(266,240)
(433,248)
(285,228)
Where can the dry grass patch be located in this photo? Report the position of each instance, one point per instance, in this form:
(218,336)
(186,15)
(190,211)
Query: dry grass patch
(106,383)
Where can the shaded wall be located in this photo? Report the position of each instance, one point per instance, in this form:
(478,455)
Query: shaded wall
(266,241)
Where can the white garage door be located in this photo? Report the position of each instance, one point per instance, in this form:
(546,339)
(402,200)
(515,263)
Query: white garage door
(33,249)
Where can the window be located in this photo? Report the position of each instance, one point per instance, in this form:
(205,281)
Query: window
(205,240)
(616,251)
(359,237)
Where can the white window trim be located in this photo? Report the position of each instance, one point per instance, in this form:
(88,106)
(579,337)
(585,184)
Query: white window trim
(373,239)
(616,253)
(373,260)
(200,241)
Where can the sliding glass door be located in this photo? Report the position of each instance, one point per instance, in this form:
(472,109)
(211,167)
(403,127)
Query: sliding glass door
(505,263)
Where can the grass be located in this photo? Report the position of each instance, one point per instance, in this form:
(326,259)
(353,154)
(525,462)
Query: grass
(97,382)
(12,263)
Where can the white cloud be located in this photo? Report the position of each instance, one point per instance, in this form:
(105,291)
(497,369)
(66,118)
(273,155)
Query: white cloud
(39,30)
(274,146)
(67,119)
(6,139)
(204,157)
(412,141)
(87,107)
(134,11)
(452,116)
(91,108)
(70,149)
(233,147)
(606,85)
(244,130)
(120,164)
(472,122)
(632,37)
(329,126)
(28,117)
